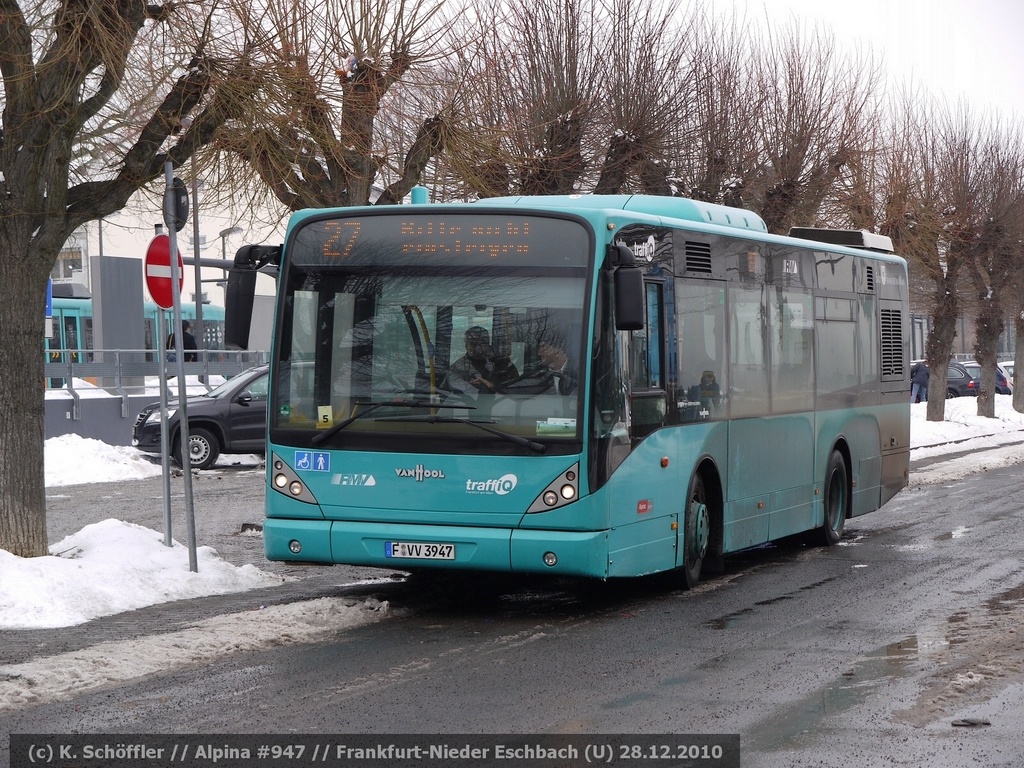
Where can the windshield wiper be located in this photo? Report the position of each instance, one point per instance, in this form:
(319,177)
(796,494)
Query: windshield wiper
(533,445)
(373,406)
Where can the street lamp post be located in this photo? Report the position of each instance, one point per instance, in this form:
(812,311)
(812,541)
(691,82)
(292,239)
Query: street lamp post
(224,234)
(200,328)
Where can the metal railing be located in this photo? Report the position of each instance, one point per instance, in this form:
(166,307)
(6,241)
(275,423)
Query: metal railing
(123,372)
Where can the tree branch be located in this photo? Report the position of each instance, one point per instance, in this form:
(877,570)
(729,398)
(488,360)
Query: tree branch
(430,142)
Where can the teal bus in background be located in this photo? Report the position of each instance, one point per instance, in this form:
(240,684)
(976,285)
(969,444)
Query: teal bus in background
(714,387)
(71,332)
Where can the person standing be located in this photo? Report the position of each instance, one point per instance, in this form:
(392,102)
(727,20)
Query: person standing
(919,375)
(188,343)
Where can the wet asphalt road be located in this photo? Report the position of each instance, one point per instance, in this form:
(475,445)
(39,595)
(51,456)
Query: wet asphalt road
(903,646)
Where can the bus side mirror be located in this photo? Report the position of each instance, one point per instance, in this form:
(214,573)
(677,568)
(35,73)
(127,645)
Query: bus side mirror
(629,289)
(240,293)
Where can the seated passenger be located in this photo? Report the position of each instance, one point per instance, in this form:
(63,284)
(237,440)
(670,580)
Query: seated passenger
(480,370)
(707,393)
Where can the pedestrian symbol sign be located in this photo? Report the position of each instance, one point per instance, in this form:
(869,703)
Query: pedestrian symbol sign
(313,461)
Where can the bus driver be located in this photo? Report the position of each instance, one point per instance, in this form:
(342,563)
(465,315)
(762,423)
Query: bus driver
(480,369)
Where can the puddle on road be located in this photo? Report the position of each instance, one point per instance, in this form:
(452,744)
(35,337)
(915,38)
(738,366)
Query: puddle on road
(968,650)
(810,715)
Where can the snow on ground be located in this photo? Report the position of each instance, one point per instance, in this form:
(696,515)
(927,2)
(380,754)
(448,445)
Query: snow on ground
(977,443)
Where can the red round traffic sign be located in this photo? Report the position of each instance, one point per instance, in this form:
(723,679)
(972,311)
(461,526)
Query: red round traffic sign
(158,271)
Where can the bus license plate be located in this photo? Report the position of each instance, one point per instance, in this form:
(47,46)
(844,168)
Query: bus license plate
(419,550)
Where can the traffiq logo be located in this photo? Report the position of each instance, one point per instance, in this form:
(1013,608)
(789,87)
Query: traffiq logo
(501,486)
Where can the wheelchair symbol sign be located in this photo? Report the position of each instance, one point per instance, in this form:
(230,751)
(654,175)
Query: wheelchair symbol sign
(313,461)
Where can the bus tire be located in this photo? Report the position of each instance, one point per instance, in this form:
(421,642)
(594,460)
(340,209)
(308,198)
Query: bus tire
(837,499)
(696,531)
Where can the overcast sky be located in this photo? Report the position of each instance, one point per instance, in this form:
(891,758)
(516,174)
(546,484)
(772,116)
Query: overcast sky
(971,49)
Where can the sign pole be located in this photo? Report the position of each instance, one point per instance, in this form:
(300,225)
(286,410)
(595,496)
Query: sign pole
(165,439)
(200,328)
(186,464)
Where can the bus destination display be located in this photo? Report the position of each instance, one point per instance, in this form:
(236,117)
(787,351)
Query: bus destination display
(456,238)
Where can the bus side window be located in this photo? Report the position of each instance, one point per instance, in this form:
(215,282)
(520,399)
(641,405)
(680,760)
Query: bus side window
(748,381)
(649,405)
(700,345)
(792,349)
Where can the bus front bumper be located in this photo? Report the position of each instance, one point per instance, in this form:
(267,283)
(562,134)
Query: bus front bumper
(412,547)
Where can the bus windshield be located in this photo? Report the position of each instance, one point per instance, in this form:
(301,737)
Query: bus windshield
(402,326)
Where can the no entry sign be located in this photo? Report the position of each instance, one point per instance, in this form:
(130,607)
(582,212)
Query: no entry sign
(158,271)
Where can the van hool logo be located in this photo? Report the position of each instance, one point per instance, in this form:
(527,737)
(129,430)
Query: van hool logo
(501,486)
(420,473)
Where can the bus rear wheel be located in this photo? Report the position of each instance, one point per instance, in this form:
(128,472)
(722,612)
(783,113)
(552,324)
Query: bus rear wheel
(837,499)
(696,531)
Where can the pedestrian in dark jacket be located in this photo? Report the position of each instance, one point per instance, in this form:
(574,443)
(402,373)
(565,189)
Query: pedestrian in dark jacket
(919,376)
(188,343)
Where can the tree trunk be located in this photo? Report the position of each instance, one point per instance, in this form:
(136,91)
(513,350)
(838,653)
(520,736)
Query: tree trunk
(1018,357)
(22,401)
(940,343)
(989,327)
(617,161)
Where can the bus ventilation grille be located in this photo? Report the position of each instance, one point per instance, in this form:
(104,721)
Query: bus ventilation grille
(698,258)
(892,344)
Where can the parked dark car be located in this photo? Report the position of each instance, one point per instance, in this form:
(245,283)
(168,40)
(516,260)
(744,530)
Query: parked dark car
(1003,385)
(959,381)
(229,419)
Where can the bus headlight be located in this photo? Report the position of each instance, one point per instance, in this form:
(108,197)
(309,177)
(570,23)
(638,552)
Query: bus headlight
(563,490)
(283,479)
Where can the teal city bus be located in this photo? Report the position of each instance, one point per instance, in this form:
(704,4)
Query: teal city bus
(72,333)
(597,386)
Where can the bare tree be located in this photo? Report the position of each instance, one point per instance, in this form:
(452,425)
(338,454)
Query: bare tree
(814,123)
(713,147)
(530,97)
(1017,285)
(932,215)
(995,252)
(645,95)
(575,96)
(324,71)
(66,70)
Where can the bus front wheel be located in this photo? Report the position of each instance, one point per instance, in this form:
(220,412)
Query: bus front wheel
(837,498)
(696,531)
